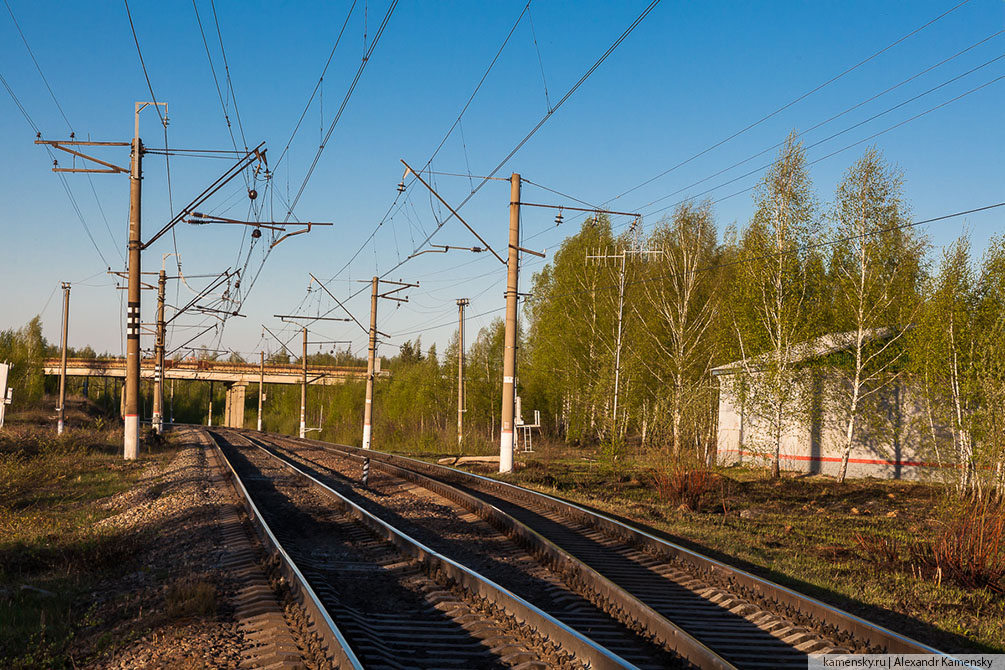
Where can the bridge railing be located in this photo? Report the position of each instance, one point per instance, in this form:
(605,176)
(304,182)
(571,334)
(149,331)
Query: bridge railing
(211,366)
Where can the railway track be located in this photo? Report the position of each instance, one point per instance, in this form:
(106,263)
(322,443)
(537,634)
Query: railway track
(379,599)
(706,612)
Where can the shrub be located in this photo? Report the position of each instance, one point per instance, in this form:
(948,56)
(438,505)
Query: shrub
(971,548)
(682,482)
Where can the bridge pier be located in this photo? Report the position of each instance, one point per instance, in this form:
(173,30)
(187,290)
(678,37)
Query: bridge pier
(234,408)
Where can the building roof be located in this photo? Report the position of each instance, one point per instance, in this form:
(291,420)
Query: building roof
(821,346)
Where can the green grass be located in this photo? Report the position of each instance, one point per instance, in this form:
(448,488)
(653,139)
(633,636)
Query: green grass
(51,554)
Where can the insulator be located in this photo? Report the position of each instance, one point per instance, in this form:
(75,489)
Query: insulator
(401,186)
(256,233)
(252,193)
(558,218)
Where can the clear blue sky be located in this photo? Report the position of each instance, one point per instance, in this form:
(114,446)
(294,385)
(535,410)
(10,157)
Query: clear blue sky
(690,75)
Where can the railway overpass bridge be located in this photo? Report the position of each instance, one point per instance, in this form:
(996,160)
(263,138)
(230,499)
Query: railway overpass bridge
(235,376)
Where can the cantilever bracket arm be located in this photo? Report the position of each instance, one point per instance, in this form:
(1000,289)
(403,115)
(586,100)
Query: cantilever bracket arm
(346,309)
(298,232)
(58,144)
(198,218)
(244,161)
(444,248)
(453,211)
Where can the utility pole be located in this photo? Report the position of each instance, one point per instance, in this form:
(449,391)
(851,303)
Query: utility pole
(209,419)
(303,386)
(371,359)
(621,256)
(371,354)
(461,303)
(158,413)
(261,384)
(303,392)
(509,352)
(62,366)
(131,438)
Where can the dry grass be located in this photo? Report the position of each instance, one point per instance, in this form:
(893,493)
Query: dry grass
(190,597)
(51,493)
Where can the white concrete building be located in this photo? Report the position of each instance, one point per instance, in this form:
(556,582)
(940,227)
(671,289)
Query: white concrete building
(892,438)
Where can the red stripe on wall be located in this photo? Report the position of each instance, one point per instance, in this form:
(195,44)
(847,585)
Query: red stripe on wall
(832,459)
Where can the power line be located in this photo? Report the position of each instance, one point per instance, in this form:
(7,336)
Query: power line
(345,102)
(226,68)
(833,153)
(317,86)
(62,177)
(569,93)
(799,249)
(216,81)
(446,136)
(709,268)
(830,137)
(52,95)
(790,104)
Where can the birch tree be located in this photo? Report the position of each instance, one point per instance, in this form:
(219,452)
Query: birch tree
(572,312)
(989,372)
(943,352)
(876,273)
(682,300)
(772,314)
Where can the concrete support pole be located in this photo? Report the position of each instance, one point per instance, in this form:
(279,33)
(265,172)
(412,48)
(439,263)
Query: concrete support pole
(461,303)
(158,413)
(62,366)
(261,385)
(131,414)
(303,392)
(370,361)
(509,353)
(209,418)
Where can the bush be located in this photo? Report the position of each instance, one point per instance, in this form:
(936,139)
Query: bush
(682,482)
(971,548)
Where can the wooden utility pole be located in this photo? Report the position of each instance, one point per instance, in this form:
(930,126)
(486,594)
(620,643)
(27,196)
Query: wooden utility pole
(131,439)
(461,303)
(158,413)
(509,352)
(303,392)
(62,366)
(261,385)
(371,356)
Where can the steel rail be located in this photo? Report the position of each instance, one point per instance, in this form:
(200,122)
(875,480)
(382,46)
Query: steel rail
(571,640)
(872,634)
(337,645)
(664,631)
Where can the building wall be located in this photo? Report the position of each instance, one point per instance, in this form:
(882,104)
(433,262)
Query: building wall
(892,443)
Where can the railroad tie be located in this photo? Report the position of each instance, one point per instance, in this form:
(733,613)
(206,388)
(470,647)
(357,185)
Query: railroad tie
(269,644)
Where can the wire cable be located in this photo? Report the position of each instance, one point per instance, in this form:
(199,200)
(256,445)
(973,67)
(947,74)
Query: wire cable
(345,102)
(317,86)
(791,103)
